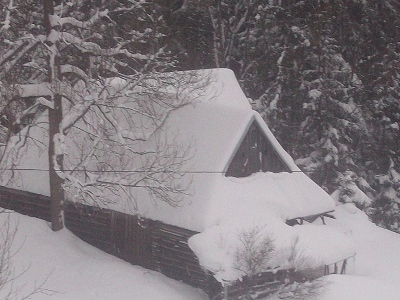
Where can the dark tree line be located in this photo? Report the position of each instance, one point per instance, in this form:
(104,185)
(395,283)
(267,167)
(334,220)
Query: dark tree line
(325,76)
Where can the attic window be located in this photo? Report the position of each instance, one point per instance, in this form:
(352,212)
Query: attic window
(255,154)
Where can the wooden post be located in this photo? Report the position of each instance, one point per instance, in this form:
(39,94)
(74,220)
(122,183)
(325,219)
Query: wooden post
(226,290)
(343,271)
(326,271)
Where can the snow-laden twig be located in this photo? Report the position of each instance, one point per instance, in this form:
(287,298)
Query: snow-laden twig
(6,24)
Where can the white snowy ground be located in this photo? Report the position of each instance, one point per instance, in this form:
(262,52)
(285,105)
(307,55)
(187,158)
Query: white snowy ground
(71,269)
(377,264)
(74,270)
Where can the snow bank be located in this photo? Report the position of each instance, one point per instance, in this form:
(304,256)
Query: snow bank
(377,269)
(220,248)
(260,204)
(356,288)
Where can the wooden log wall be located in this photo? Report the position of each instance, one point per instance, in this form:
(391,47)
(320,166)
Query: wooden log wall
(91,224)
(173,257)
(150,244)
(30,204)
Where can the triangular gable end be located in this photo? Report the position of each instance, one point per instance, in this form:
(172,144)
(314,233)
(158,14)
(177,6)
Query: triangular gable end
(255,153)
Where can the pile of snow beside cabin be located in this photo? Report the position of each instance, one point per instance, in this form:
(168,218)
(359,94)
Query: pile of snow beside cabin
(249,214)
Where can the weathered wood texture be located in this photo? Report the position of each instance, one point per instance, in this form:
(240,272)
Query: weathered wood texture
(255,154)
(150,244)
(29,204)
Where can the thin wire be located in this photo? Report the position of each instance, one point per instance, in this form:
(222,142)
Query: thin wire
(126,171)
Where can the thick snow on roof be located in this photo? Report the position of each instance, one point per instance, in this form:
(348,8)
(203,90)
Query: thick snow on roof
(213,126)
(219,207)
(288,195)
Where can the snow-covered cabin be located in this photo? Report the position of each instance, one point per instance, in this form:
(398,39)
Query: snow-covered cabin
(240,178)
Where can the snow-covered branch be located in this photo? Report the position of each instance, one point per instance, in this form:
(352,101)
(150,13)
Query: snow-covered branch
(13,56)
(56,20)
(6,24)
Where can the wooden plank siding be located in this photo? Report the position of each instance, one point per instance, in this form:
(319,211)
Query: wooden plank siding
(91,224)
(255,153)
(174,258)
(30,204)
(144,242)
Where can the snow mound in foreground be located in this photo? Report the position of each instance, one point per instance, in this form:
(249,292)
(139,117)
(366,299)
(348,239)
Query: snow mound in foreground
(70,269)
(79,271)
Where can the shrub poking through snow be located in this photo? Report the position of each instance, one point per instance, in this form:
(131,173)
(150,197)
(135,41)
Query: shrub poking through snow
(307,290)
(9,275)
(6,237)
(306,284)
(254,253)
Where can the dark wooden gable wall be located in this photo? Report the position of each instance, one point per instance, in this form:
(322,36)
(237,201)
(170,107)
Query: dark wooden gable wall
(255,154)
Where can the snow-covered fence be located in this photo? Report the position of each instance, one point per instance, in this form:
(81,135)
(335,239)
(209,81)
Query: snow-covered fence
(339,267)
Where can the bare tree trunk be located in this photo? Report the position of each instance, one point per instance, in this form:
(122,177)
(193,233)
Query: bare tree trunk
(55,118)
(56,190)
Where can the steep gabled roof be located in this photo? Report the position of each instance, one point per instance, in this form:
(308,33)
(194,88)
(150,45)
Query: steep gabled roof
(214,127)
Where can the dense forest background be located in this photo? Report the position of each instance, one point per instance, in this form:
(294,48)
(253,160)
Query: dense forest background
(324,74)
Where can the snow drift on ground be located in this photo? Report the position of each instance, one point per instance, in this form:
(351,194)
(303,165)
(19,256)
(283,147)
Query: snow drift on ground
(377,265)
(70,269)
(76,270)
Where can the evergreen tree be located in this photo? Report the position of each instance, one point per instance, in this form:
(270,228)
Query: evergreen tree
(325,75)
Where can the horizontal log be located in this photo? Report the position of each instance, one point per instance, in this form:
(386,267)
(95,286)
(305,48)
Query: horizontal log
(90,232)
(174,255)
(171,245)
(100,243)
(27,202)
(25,206)
(88,217)
(174,230)
(16,192)
(174,234)
(177,264)
(87,223)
